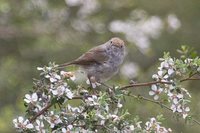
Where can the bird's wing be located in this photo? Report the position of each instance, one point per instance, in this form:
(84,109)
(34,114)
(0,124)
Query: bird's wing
(95,55)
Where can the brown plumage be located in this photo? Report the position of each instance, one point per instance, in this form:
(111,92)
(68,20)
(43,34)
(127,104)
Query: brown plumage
(103,61)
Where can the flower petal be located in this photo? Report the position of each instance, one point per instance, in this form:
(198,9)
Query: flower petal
(47,76)
(154,87)
(57,76)
(52,80)
(27,96)
(151,93)
(29,126)
(160,73)
(187,109)
(175,101)
(156,97)
(34,97)
(54,92)
(70,95)
(88,82)
(170,71)
(40,68)
(27,101)
(21,119)
(64,130)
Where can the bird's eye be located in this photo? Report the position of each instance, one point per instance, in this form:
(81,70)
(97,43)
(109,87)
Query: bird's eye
(121,46)
(111,42)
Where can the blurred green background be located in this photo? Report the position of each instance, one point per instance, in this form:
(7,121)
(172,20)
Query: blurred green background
(35,32)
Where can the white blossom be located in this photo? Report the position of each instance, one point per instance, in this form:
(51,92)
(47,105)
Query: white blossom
(185,112)
(73,109)
(68,93)
(31,98)
(40,68)
(155,76)
(64,130)
(154,126)
(53,77)
(53,120)
(132,128)
(40,126)
(176,108)
(119,105)
(198,69)
(59,91)
(69,128)
(22,124)
(92,101)
(155,91)
(171,71)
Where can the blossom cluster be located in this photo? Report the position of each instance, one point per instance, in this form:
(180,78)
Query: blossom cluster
(49,109)
(169,75)
(154,126)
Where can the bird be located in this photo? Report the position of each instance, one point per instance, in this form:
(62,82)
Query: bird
(101,62)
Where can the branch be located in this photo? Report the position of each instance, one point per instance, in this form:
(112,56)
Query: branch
(41,112)
(190,77)
(145,84)
(49,105)
(158,103)
(161,82)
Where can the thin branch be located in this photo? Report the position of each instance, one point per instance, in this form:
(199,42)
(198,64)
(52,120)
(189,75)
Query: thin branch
(49,105)
(190,77)
(77,97)
(158,82)
(41,112)
(145,84)
(196,121)
(158,103)
(150,100)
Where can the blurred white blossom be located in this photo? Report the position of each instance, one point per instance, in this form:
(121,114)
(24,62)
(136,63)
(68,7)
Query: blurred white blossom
(53,77)
(139,32)
(154,126)
(53,119)
(22,124)
(130,70)
(155,91)
(178,97)
(173,22)
(31,98)
(40,126)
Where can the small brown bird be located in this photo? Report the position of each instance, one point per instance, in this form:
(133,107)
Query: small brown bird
(102,62)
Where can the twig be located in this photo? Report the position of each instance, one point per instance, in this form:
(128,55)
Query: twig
(49,105)
(158,103)
(145,84)
(41,112)
(159,82)
(190,77)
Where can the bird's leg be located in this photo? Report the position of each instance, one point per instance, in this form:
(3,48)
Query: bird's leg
(89,81)
(93,84)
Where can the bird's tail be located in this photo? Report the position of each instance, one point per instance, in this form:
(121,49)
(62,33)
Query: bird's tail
(65,64)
